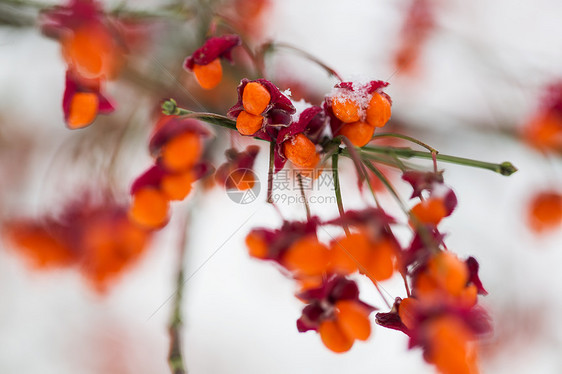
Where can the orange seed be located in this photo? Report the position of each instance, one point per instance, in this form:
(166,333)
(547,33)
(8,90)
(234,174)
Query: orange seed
(149,208)
(248,124)
(255,98)
(545,211)
(177,186)
(83,109)
(381,260)
(182,152)
(307,256)
(407,312)
(345,109)
(210,75)
(358,133)
(353,319)
(349,253)
(378,111)
(257,247)
(450,273)
(333,337)
(301,151)
(91,51)
(430,211)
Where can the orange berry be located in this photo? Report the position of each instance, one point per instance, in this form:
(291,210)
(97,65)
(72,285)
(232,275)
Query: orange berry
(349,253)
(182,152)
(149,208)
(257,247)
(43,248)
(378,111)
(469,296)
(308,282)
(255,98)
(545,132)
(333,337)
(109,246)
(358,133)
(430,211)
(427,289)
(380,265)
(407,312)
(210,75)
(545,211)
(248,124)
(450,273)
(177,186)
(91,51)
(83,109)
(353,319)
(301,151)
(450,346)
(345,110)
(307,256)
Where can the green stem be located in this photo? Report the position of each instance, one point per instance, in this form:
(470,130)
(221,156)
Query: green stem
(387,184)
(270,173)
(337,189)
(178,11)
(505,168)
(175,355)
(370,186)
(26,3)
(169,107)
(388,160)
(303,195)
(405,137)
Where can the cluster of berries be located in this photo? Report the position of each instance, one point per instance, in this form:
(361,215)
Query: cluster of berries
(333,308)
(177,146)
(544,132)
(356,110)
(263,111)
(95,237)
(440,314)
(93,48)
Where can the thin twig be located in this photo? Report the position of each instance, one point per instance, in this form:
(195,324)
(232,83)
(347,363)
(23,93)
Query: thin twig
(303,195)
(337,190)
(175,356)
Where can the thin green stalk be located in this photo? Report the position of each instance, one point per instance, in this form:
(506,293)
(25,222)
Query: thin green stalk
(337,189)
(405,137)
(175,355)
(505,168)
(168,12)
(387,184)
(424,233)
(370,186)
(388,160)
(270,173)
(303,195)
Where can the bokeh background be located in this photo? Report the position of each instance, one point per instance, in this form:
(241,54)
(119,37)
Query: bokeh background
(481,73)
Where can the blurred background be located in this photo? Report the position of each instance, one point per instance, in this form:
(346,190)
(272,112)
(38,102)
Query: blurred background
(468,78)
